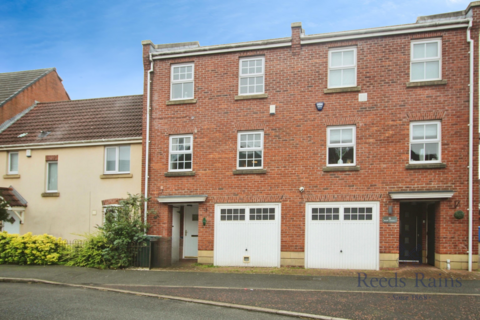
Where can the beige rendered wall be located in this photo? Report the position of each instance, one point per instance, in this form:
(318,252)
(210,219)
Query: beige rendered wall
(79,184)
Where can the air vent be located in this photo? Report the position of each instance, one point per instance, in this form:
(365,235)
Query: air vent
(246,259)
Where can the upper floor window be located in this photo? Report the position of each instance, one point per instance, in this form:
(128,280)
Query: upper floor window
(252,76)
(181,148)
(425,142)
(426,60)
(13,163)
(341,146)
(342,67)
(117,159)
(250,150)
(52,176)
(182,81)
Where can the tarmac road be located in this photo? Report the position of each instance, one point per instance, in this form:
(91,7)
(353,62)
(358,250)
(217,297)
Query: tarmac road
(39,301)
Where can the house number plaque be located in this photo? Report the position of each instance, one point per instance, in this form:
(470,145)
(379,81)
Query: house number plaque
(389,219)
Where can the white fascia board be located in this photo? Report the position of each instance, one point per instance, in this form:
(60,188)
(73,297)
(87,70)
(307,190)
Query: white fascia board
(377,33)
(182,199)
(71,144)
(234,49)
(421,195)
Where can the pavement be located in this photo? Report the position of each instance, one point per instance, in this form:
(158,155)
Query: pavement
(365,296)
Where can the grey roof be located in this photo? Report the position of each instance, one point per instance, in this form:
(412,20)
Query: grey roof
(12,83)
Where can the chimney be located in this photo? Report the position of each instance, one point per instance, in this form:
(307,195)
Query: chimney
(147,47)
(296,34)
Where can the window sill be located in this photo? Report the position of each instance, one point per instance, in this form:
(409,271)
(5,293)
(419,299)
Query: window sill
(180,174)
(51,194)
(186,101)
(426,83)
(252,96)
(412,166)
(11,176)
(116,176)
(345,168)
(337,90)
(250,171)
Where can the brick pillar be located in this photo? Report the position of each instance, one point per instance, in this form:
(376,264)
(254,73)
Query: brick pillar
(296,34)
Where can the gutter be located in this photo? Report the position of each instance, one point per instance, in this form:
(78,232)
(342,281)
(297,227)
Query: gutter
(70,144)
(470,150)
(147,141)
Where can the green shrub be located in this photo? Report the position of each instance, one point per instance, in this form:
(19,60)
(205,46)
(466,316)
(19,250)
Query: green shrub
(29,249)
(87,253)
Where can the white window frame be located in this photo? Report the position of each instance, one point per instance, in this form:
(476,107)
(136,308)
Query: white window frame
(439,58)
(438,140)
(250,149)
(330,68)
(48,175)
(338,145)
(170,151)
(105,207)
(117,160)
(172,82)
(10,161)
(251,75)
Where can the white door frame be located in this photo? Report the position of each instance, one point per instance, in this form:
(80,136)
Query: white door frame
(376,211)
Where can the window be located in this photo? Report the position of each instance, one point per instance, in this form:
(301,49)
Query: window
(325,213)
(13,163)
(425,142)
(426,60)
(232,214)
(262,213)
(250,150)
(52,176)
(117,159)
(181,148)
(357,213)
(252,72)
(110,211)
(342,68)
(341,146)
(252,213)
(182,82)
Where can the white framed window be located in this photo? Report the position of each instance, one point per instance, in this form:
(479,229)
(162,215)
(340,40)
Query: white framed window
(181,152)
(253,212)
(52,176)
(110,209)
(182,81)
(426,60)
(250,150)
(252,76)
(117,159)
(341,146)
(425,138)
(13,163)
(342,67)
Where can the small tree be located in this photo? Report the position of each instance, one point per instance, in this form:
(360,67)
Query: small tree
(3,210)
(123,227)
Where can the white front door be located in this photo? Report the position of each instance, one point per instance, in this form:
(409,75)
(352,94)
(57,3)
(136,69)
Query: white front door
(342,235)
(12,227)
(190,232)
(247,235)
(176,234)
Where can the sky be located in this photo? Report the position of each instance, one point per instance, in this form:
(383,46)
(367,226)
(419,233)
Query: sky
(96,45)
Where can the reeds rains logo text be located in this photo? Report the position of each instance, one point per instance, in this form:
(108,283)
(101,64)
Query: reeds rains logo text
(395,282)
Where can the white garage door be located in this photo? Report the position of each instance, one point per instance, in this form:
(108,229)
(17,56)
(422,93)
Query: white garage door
(342,235)
(247,235)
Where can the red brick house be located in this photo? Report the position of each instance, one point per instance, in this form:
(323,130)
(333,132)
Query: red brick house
(350,149)
(19,90)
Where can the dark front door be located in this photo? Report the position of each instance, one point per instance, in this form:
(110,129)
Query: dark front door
(431,234)
(410,232)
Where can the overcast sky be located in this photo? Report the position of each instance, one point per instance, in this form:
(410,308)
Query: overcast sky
(95,45)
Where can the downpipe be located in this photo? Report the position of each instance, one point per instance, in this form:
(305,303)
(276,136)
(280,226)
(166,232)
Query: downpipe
(147,141)
(470,150)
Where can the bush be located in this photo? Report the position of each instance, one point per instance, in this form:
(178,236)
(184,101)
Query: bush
(87,253)
(29,249)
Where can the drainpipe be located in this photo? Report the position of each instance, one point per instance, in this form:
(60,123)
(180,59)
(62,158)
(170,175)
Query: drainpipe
(147,141)
(470,151)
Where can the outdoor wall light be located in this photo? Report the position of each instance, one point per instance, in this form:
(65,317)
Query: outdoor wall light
(390,209)
(204,221)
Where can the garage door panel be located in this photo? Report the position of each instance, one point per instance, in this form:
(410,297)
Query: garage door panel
(351,242)
(233,248)
(261,239)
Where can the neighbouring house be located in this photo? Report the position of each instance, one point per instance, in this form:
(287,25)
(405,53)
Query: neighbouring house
(20,90)
(338,150)
(71,159)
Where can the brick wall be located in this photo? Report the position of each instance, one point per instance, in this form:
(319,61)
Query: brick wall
(295,138)
(48,88)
